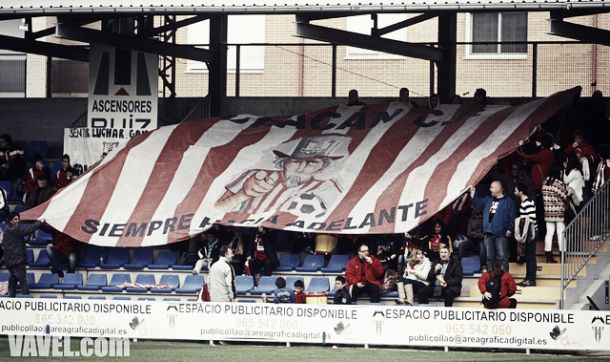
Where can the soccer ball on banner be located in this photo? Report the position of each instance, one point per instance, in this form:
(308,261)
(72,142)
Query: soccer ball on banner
(307,205)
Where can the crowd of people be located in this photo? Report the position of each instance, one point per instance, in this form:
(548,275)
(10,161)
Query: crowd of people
(526,198)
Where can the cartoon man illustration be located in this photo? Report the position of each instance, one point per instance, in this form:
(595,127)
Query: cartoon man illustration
(294,182)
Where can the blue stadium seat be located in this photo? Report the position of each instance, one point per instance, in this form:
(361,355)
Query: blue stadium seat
(171,299)
(93,256)
(115,258)
(42,261)
(48,296)
(71,281)
(121,297)
(471,265)
(243,284)
(97,297)
(46,281)
(29,256)
(30,277)
(336,264)
(10,191)
(72,297)
(288,262)
(142,279)
(17,296)
(181,264)
(312,263)
(4,277)
(290,281)
(192,284)
(19,208)
(170,279)
(36,148)
(141,258)
(265,285)
(116,280)
(246,301)
(94,282)
(389,294)
(42,238)
(318,285)
(147,299)
(165,259)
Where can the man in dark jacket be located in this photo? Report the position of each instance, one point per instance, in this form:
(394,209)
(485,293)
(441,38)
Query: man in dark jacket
(449,276)
(14,252)
(499,215)
(39,195)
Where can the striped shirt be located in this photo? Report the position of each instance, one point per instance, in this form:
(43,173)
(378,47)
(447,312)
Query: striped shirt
(528,208)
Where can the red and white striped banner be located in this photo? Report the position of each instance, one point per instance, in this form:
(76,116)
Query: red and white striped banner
(380,168)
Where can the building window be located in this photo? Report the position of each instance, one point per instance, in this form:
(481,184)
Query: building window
(252,58)
(362,24)
(498,27)
(12,74)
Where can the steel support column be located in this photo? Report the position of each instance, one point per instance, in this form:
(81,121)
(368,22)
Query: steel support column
(217,86)
(447,70)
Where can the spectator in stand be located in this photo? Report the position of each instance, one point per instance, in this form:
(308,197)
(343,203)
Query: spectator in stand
(554,194)
(449,275)
(602,175)
(364,273)
(433,101)
(475,237)
(404,96)
(416,280)
(239,252)
(498,222)
(262,256)
(575,183)
(526,235)
(210,252)
(480,97)
(39,169)
(353,98)
(299,294)
(12,159)
(4,207)
(14,252)
(515,177)
(497,287)
(40,195)
(66,174)
(64,248)
(341,294)
(221,279)
(283,294)
(439,239)
(540,161)
(456,99)
(587,157)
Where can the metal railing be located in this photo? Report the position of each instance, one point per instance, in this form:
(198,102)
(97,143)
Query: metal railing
(583,238)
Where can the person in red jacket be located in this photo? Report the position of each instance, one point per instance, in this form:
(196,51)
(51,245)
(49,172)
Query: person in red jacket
(540,161)
(506,290)
(364,273)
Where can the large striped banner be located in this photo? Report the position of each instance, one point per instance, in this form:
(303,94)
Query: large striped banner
(380,168)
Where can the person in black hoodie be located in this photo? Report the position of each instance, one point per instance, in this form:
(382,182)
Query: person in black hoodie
(449,276)
(341,293)
(14,252)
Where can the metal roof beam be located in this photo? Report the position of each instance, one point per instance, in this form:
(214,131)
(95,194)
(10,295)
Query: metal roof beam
(579,32)
(403,24)
(177,24)
(135,43)
(42,48)
(343,37)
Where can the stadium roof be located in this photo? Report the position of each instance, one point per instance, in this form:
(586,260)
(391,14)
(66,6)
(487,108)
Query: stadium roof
(21,8)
